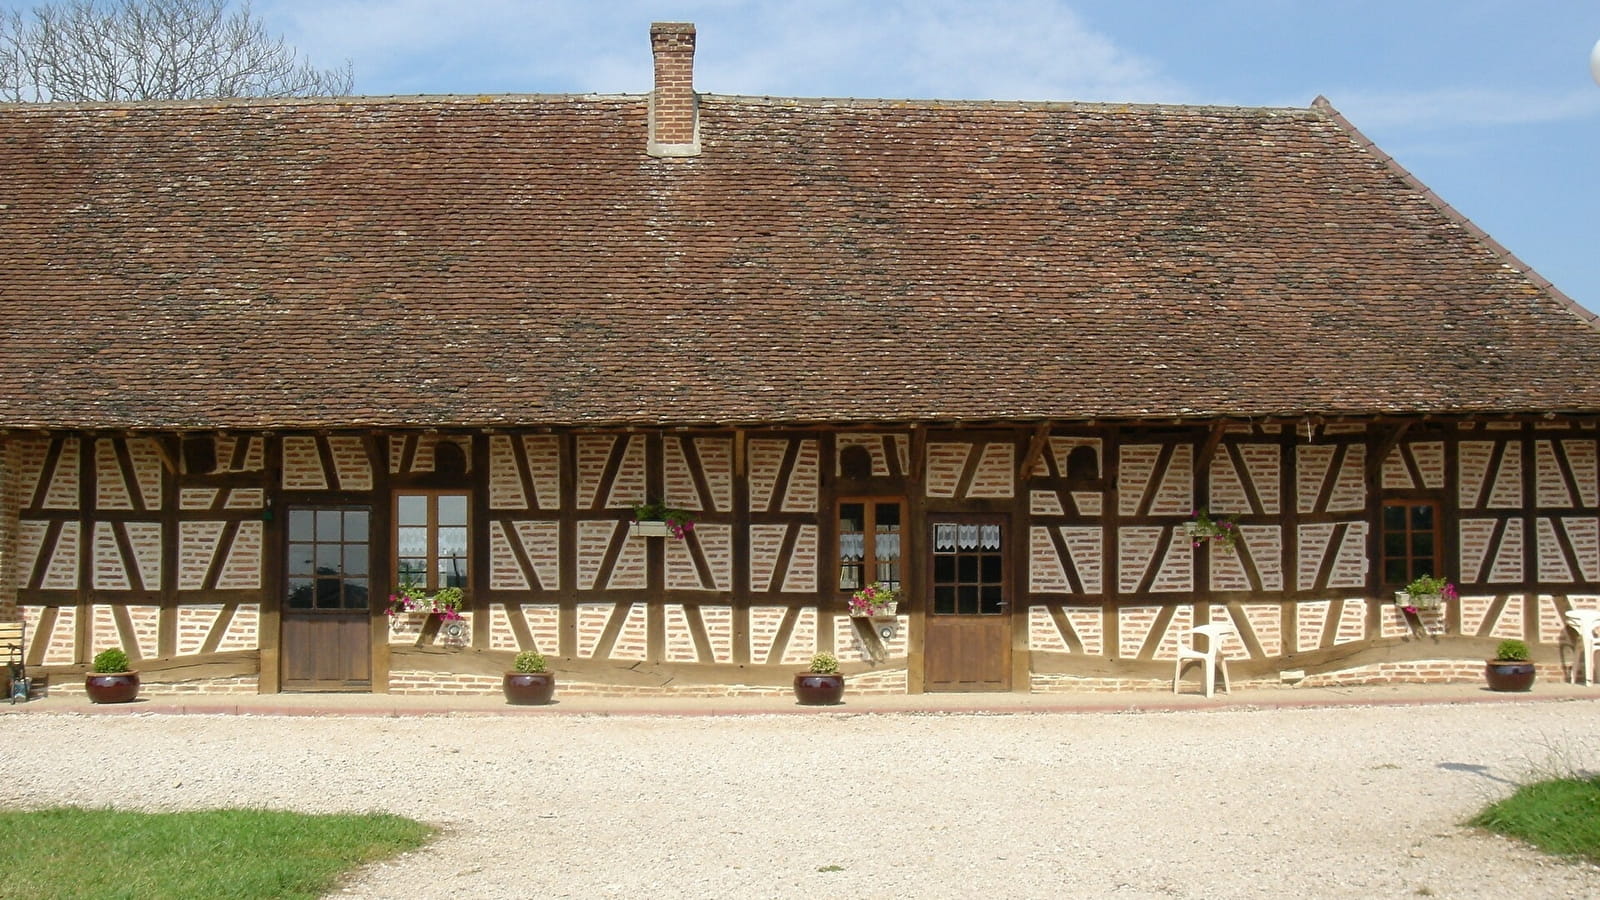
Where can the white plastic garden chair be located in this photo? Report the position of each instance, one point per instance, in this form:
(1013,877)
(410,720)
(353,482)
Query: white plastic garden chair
(1211,658)
(1585,622)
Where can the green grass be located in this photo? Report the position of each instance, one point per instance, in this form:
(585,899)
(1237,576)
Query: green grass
(233,853)
(1559,816)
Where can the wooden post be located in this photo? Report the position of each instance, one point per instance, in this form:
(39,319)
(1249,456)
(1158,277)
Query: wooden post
(272,555)
(913,553)
(167,623)
(655,567)
(568,546)
(380,541)
(1018,544)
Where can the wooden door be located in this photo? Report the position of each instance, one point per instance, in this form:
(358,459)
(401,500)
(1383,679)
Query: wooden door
(967,636)
(327,611)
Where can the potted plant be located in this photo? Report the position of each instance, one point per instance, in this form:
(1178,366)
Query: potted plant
(656,519)
(1511,669)
(529,683)
(820,685)
(876,599)
(1201,528)
(1424,594)
(111,681)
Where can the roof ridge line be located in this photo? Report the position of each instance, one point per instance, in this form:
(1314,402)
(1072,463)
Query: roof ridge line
(900,102)
(1496,248)
(343,100)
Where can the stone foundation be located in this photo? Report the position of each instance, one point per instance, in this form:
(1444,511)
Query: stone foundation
(72,686)
(885,682)
(1438,671)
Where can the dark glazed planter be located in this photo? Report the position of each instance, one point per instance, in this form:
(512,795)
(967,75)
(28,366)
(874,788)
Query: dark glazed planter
(1508,676)
(111,687)
(816,689)
(529,688)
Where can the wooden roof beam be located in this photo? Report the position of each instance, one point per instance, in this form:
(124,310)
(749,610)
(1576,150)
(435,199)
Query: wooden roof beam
(1385,446)
(1036,448)
(167,452)
(1209,448)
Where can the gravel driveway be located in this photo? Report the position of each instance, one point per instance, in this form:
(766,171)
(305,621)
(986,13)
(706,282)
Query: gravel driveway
(1349,802)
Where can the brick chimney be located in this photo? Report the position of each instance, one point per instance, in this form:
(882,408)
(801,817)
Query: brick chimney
(674,121)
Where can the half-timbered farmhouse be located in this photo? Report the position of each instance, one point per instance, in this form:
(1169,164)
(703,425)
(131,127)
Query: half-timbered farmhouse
(261,359)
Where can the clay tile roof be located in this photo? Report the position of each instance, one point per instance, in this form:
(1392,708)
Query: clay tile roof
(520,260)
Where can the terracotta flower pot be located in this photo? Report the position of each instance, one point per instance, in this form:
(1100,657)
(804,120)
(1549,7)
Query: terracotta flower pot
(111,687)
(1504,675)
(817,689)
(529,688)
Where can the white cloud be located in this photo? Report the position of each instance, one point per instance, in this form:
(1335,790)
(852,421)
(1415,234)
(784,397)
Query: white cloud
(1006,49)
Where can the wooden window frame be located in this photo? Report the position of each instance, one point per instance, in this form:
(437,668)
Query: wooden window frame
(432,567)
(1434,565)
(869,558)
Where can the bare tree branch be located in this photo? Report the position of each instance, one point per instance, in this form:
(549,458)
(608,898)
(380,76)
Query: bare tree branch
(85,50)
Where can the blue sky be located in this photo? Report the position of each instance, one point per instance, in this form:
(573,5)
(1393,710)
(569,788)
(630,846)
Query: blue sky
(1489,102)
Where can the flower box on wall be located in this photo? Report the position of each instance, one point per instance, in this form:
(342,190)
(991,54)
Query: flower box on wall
(1419,602)
(885,610)
(1425,594)
(657,519)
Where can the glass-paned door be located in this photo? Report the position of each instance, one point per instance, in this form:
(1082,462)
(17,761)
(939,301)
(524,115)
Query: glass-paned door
(967,634)
(327,643)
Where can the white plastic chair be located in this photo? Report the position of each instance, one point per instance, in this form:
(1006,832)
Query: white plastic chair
(1585,622)
(1211,658)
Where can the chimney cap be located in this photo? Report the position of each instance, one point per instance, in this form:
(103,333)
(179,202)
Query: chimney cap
(671,28)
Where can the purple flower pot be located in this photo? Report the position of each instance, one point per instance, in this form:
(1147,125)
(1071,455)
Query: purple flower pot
(529,688)
(816,689)
(1508,676)
(111,687)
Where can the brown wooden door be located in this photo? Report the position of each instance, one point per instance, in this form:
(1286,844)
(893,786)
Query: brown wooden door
(967,637)
(327,612)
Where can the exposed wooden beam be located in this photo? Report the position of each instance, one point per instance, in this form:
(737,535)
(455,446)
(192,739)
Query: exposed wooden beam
(1384,447)
(919,453)
(1036,447)
(169,455)
(1209,448)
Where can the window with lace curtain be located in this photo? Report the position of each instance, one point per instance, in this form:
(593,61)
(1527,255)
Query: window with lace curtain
(431,539)
(869,542)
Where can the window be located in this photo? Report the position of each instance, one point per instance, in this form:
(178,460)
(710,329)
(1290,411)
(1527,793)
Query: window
(1410,541)
(431,539)
(968,570)
(328,558)
(869,543)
